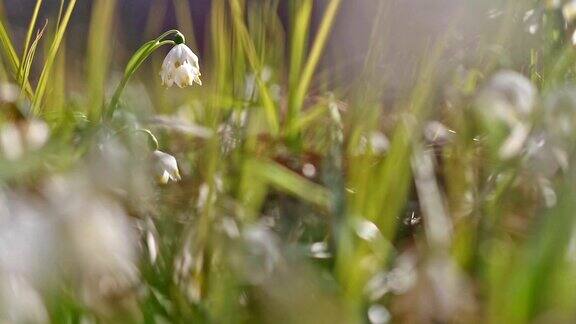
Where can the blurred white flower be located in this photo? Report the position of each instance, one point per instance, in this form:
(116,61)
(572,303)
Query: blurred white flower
(104,244)
(152,246)
(36,133)
(569,11)
(20,302)
(514,142)
(320,250)
(505,106)
(102,236)
(309,170)
(28,239)
(548,193)
(367,230)
(532,19)
(180,67)
(16,138)
(11,141)
(376,143)
(100,240)
(9,92)
(378,314)
(435,132)
(452,294)
(397,281)
(509,92)
(166,167)
(261,255)
(544,157)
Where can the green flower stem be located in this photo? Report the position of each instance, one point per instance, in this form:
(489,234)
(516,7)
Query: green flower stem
(135,62)
(151,137)
(168,33)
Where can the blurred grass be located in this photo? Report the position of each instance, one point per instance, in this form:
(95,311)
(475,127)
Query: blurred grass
(298,205)
(50,58)
(101,26)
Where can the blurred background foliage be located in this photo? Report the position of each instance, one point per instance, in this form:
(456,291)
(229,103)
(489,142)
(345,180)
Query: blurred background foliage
(344,161)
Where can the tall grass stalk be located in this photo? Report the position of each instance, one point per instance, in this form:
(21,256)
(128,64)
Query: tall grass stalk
(98,58)
(29,33)
(49,61)
(316,51)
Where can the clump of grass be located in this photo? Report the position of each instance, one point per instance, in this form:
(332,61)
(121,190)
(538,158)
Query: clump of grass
(270,195)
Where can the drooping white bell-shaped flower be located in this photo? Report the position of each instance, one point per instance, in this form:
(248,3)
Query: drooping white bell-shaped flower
(166,167)
(180,67)
(506,106)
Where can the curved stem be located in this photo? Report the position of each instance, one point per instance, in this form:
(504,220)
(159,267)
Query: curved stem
(171,31)
(128,74)
(151,136)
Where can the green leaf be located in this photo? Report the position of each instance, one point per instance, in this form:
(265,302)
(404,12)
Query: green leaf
(27,48)
(286,180)
(51,57)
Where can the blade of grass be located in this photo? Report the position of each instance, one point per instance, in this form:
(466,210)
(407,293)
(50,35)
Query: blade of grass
(286,180)
(31,26)
(300,23)
(58,114)
(29,58)
(384,192)
(8,49)
(10,54)
(314,58)
(541,258)
(99,56)
(53,51)
(252,56)
(60,11)
(310,116)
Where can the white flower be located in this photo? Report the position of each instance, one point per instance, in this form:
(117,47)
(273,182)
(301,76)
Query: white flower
(37,134)
(20,302)
(28,239)
(180,67)
(569,11)
(508,95)
(17,138)
(99,243)
(166,167)
(506,105)
(9,92)
(104,243)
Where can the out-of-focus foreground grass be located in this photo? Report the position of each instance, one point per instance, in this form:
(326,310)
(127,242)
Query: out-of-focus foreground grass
(302,198)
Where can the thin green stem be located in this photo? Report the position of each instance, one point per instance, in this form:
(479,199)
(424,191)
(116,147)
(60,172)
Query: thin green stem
(153,139)
(171,31)
(28,39)
(141,57)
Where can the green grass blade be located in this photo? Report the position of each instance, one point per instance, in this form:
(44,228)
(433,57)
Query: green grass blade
(300,23)
(315,55)
(31,27)
(256,65)
(286,180)
(8,49)
(99,56)
(29,58)
(53,51)
(11,56)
